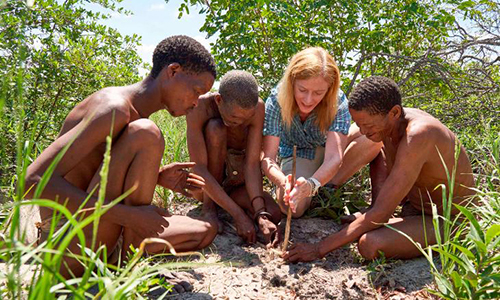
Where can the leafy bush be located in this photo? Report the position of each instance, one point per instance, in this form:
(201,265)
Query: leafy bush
(65,55)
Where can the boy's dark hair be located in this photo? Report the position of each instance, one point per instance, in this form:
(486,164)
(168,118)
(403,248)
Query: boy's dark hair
(376,95)
(240,88)
(186,51)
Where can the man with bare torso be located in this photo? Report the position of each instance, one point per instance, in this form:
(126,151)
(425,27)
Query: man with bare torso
(182,71)
(224,135)
(408,171)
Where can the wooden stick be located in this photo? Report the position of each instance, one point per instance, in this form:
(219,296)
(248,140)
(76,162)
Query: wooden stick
(289,212)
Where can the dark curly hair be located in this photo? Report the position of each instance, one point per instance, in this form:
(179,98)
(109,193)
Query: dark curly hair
(240,88)
(376,95)
(184,50)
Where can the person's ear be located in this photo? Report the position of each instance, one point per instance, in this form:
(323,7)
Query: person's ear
(395,112)
(172,69)
(218,98)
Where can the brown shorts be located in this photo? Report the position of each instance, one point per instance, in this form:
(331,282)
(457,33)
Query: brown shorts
(235,165)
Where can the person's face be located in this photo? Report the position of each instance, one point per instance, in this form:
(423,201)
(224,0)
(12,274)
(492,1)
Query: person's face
(181,91)
(374,126)
(233,115)
(309,93)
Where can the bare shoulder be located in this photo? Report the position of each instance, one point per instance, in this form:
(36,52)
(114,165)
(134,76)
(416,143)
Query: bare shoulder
(260,111)
(423,126)
(205,110)
(261,105)
(106,104)
(105,101)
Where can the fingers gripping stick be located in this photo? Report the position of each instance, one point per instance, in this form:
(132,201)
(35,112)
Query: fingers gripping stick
(289,212)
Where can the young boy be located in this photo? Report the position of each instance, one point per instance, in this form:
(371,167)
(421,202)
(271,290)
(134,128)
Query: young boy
(182,71)
(224,135)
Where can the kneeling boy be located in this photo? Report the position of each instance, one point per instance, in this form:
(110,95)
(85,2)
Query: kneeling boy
(224,135)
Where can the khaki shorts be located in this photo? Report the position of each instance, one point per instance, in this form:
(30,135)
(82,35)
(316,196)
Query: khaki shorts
(44,231)
(305,167)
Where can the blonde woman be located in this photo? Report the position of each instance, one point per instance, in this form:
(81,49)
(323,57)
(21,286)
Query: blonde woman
(309,110)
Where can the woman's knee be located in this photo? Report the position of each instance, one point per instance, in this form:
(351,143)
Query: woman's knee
(215,133)
(299,212)
(144,132)
(369,246)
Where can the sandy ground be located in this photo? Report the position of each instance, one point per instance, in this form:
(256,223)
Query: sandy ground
(238,271)
(252,272)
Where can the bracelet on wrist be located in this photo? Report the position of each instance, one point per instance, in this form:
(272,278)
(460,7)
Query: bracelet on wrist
(261,213)
(315,185)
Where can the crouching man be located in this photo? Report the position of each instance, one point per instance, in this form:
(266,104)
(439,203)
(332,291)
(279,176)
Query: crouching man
(182,71)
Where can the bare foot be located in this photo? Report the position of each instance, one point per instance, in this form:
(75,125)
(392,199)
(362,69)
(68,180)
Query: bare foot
(211,217)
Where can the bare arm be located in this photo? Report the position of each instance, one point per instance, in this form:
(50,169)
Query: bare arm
(410,158)
(334,151)
(198,154)
(269,165)
(253,177)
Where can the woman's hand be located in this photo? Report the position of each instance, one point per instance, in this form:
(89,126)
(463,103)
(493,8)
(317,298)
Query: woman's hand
(299,193)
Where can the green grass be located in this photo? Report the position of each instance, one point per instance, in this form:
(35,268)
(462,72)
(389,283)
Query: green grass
(132,278)
(174,133)
(468,265)
(468,255)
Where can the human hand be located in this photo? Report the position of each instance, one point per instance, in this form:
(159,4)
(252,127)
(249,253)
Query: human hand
(176,177)
(245,228)
(287,188)
(147,220)
(300,191)
(269,230)
(302,252)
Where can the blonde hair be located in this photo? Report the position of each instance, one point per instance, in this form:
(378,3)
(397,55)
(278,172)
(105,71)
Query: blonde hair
(309,63)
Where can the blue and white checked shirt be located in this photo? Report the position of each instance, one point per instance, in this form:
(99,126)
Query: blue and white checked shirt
(307,136)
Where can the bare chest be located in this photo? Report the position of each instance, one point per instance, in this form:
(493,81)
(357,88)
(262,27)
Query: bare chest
(237,137)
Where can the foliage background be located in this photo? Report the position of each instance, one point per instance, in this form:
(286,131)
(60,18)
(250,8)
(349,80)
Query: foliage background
(64,56)
(443,53)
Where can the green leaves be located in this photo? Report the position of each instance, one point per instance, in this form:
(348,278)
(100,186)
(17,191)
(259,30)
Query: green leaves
(68,56)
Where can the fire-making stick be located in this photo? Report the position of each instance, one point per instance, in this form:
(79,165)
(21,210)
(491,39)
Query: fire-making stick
(289,212)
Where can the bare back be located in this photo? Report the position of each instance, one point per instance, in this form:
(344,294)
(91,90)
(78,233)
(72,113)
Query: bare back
(440,144)
(94,118)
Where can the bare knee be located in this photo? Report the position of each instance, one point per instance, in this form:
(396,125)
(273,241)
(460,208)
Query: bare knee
(146,134)
(299,212)
(215,133)
(210,231)
(369,246)
(272,208)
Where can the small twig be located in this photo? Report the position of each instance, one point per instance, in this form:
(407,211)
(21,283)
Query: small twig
(289,212)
